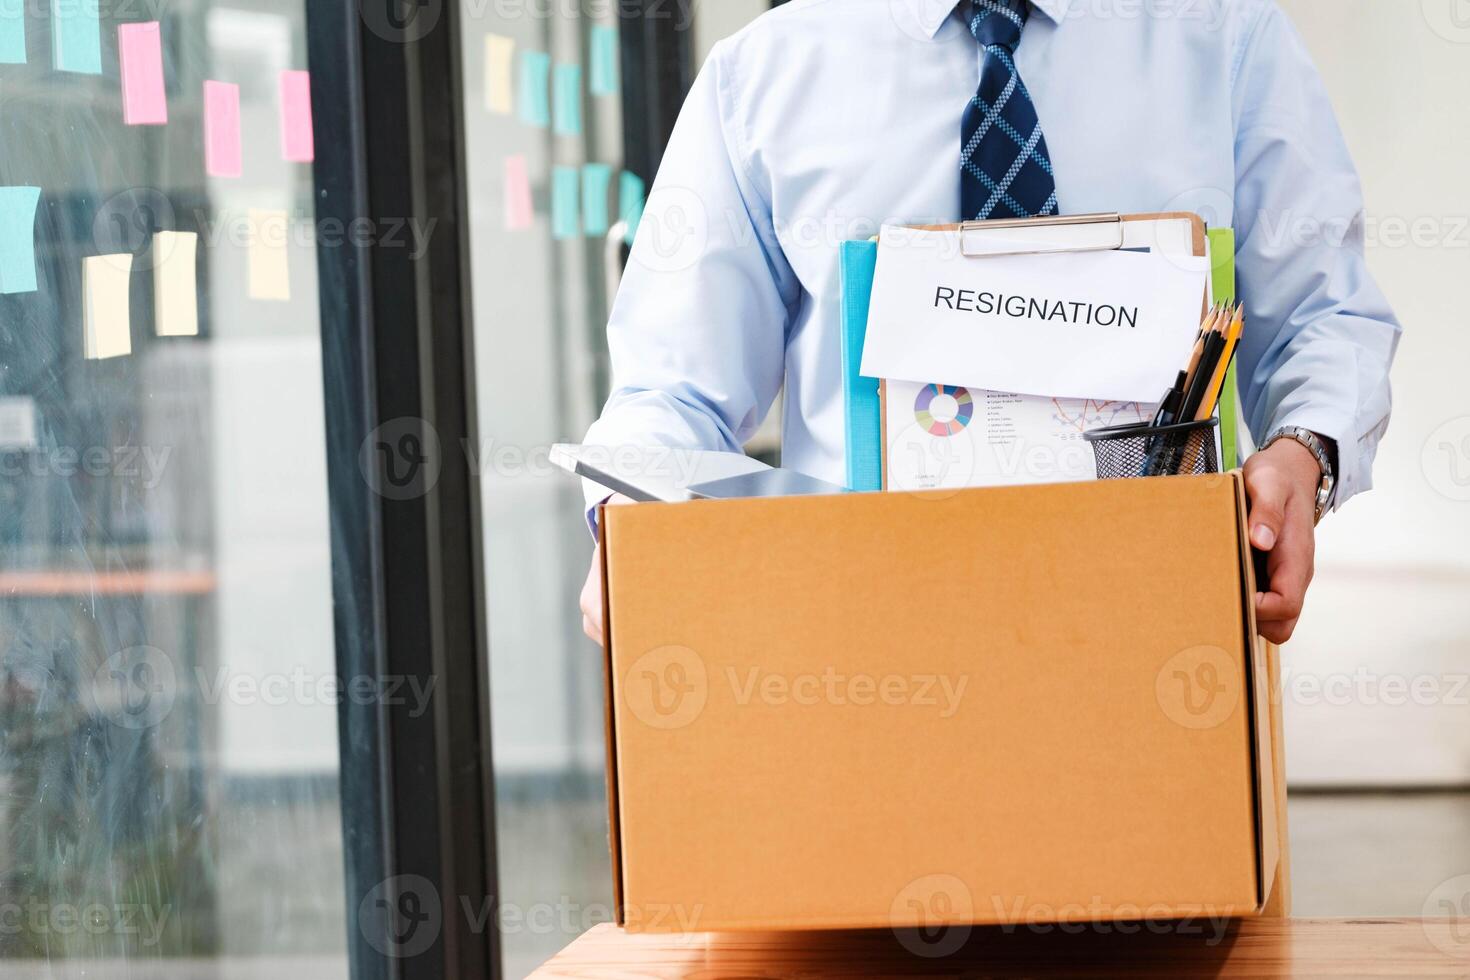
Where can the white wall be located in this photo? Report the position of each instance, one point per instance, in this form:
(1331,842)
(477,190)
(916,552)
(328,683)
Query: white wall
(1389,603)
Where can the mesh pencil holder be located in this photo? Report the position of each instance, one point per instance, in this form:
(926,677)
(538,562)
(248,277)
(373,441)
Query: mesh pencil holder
(1127,451)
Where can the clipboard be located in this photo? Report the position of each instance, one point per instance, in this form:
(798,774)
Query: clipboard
(1172,232)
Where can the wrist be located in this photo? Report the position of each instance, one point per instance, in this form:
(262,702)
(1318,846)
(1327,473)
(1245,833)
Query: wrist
(1308,458)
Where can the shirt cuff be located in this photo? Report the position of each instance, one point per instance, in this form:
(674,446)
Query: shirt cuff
(1354,475)
(596,495)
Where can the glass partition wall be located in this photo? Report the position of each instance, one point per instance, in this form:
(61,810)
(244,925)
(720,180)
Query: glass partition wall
(168,722)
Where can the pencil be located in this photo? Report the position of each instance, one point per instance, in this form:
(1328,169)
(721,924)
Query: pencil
(1200,378)
(1217,380)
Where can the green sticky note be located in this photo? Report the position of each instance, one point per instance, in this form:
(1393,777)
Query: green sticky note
(534,92)
(602,61)
(18,239)
(596,178)
(567,100)
(12,32)
(565,189)
(631,192)
(76,36)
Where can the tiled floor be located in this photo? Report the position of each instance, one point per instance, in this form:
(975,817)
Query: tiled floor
(1375,854)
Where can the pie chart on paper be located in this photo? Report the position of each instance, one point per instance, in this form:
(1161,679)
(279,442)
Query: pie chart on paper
(943,410)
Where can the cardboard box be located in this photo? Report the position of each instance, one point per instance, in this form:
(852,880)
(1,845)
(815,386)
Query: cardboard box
(1007,705)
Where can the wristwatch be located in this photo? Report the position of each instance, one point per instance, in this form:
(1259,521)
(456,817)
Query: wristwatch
(1327,489)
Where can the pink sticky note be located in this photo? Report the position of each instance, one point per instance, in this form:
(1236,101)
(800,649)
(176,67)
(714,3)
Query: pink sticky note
(140,57)
(519,214)
(221,129)
(297,142)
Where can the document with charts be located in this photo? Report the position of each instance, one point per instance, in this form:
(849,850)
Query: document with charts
(949,437)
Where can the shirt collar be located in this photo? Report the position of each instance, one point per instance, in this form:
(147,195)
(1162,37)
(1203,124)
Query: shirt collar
(931,14)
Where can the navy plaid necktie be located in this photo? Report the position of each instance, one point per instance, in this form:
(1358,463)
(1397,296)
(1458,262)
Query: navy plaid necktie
(1005,169)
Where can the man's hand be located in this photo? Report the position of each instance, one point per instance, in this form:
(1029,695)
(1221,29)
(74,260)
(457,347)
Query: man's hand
(592,588)
(1281,483)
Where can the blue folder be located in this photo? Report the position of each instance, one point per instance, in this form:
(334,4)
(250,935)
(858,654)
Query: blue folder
(862,415)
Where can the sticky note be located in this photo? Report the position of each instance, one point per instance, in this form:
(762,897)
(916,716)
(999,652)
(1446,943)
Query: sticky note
(567,100)
(534,93)
(499,55)
(107,330)
(298,140)
(602,60)
(631,191)
(12,32)
(565,188)
(269,272)
(140,62)
(18,239)
(519,214)
(596,178)
(221,129)
(175,293)
(76,36)
(18,429)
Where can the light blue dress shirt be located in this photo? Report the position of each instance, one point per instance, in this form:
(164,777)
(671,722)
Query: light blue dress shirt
(825,119)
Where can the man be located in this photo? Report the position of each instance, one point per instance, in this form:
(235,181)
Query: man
(826,118)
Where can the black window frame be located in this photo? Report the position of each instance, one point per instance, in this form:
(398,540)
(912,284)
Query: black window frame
(417,793)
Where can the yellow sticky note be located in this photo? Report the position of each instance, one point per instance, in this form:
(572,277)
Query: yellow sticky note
(269,272)
(175,295)
(107,329)
(499,53)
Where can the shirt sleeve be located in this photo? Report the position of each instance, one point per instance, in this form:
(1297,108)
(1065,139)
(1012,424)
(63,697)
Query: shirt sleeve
(1320,336)
(697,335)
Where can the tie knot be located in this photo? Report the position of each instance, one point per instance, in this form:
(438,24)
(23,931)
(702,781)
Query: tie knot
(998,21)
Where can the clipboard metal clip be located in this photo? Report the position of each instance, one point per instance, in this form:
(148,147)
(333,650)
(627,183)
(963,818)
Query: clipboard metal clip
(1037,236)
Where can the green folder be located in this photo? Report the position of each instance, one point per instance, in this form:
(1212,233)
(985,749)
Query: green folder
(1222,283)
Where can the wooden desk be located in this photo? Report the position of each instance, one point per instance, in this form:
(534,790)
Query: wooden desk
(1249,948)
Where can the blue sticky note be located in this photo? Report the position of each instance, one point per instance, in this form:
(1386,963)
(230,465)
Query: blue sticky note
(18,239)
(567,100)
(602,61)
(630,203)
(12,32)
(596,177)
(565,188)
(76,36)
(534,92)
